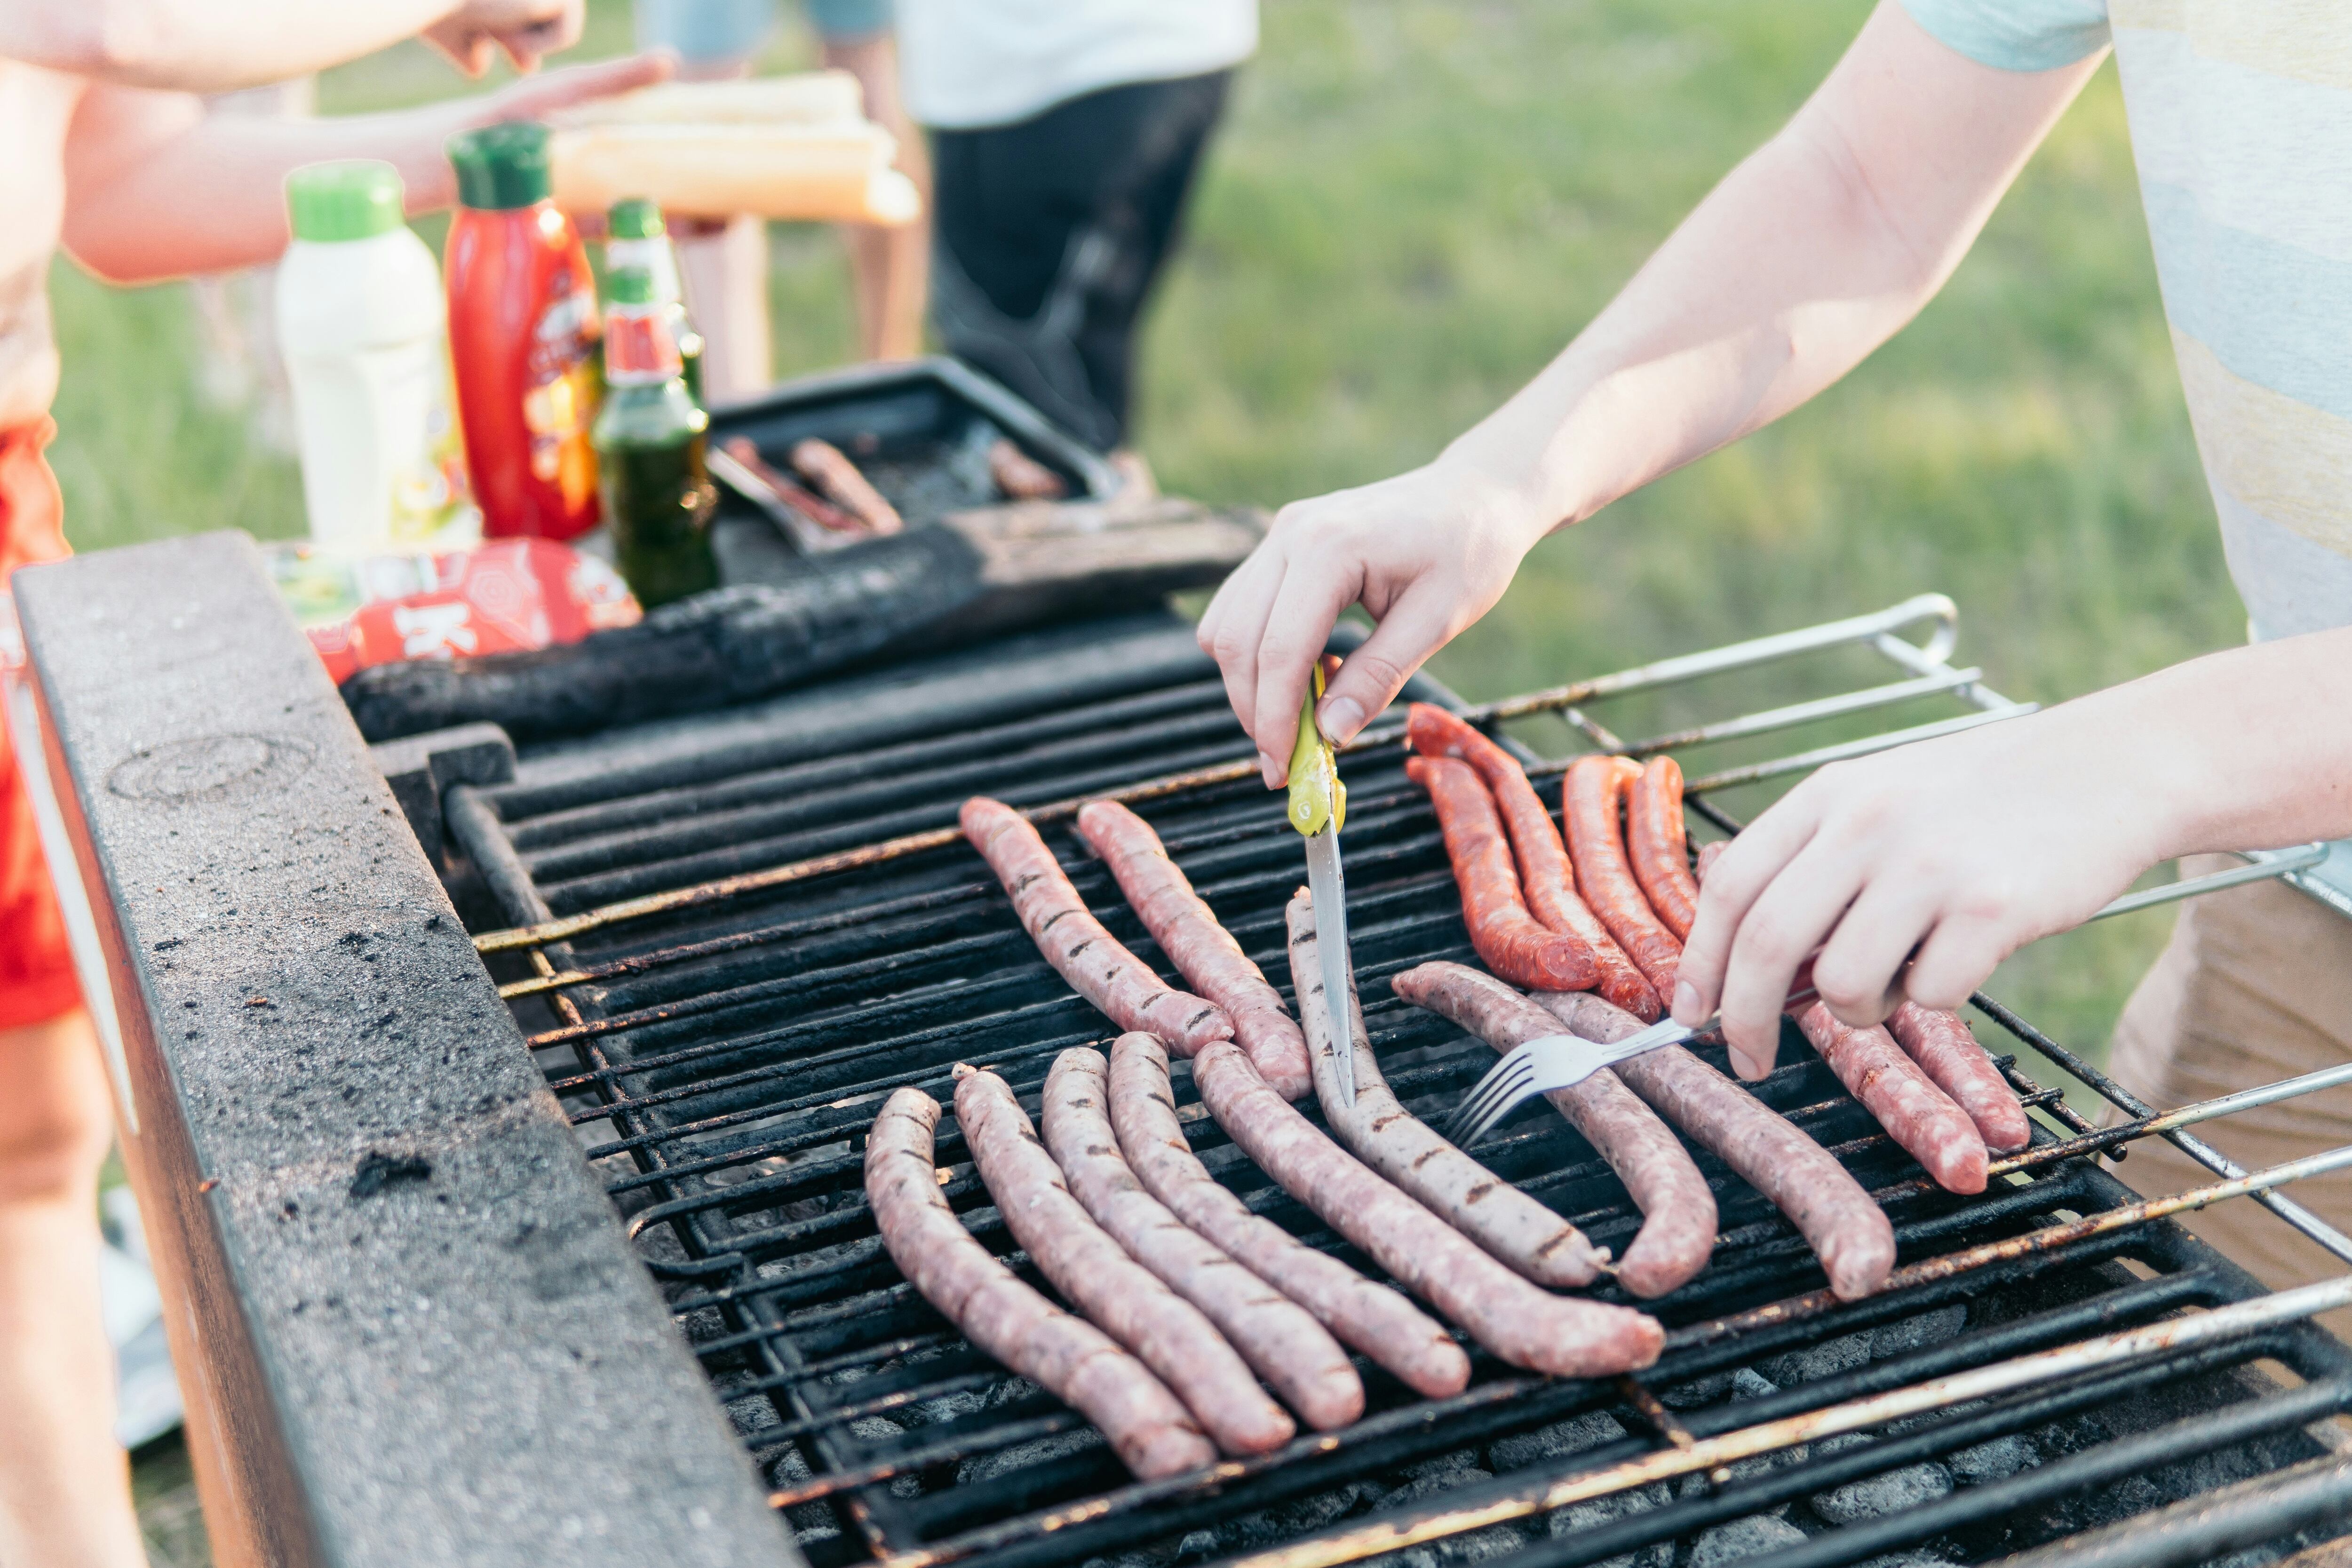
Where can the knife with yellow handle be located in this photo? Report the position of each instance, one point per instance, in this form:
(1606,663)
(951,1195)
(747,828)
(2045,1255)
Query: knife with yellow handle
(1319,808)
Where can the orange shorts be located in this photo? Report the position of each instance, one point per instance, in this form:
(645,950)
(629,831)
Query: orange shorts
(37,977)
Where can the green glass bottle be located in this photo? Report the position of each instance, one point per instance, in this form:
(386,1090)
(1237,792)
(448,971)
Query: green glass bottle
(650,437)
(636,236)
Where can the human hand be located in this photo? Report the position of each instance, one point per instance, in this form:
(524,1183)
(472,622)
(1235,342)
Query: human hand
(526,29)
(1951,854)
(537,97)
(1426,552)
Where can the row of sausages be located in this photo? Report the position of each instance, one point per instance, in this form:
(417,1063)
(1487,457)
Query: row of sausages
(1606,905)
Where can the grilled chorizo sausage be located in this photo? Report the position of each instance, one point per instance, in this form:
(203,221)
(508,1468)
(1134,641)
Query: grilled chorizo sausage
(1022,477)
(1146,1424)
(1678,1211)
(1591,796)
(1508,1224)
(824,465)
(1906,1102)
(1546,880)
(1096,966)
(1561,1335)
(1282,1343)
(1656,837)
(1512,942)
(1946,1051)
(1850,1234)
(1124,1299)
(1371,1317)
(1203,951)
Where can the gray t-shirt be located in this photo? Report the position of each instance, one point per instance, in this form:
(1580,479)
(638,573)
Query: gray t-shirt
(2241,122)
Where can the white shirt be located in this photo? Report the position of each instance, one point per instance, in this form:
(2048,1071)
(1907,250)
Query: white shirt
(969,64)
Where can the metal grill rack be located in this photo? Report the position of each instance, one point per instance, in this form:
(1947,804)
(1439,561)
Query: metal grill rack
(739,934)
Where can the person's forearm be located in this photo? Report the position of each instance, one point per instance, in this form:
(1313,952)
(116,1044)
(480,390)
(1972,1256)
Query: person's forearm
(207,46)
(1806,258)
(2246,749)
(211,197)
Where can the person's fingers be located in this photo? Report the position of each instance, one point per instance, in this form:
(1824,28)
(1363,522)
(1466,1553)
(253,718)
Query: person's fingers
(1231,631)
(1958,957)
(1859,973)
(1416,625)
(467,48)
(1784,924)
(1297,629)
(579,84)
(1734,882)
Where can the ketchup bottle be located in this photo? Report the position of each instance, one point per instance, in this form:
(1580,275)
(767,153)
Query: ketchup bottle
(523,338)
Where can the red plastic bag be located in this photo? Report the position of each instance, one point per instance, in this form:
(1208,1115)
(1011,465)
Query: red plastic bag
(501,597)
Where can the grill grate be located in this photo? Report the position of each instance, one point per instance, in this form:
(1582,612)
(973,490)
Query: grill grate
(722,1058)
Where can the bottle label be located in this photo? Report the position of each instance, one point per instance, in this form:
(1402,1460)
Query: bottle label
(560,395)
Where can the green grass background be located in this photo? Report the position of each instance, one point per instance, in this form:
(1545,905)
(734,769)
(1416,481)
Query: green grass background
(1412,206)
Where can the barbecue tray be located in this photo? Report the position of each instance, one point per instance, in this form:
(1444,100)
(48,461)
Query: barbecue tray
(724,938)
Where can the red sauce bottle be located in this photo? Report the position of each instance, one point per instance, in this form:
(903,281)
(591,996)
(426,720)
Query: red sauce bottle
(523,338)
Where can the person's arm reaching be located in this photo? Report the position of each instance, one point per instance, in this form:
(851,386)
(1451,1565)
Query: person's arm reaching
(1964,848)
(156,188)
(215,45)
(1807,256)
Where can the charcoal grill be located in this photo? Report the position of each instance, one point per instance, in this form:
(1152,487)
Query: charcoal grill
(725,940)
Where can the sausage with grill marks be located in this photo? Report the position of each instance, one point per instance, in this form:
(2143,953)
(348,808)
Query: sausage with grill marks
(1946,1051)
(1564,1336)
(826,467)
(1511,941)
(1892,1086)
(1281,1341)
(1547,880)
(1201,948)
(1850,1234)
(1370,1316)
(1508,1224)
(1591,796)
(1678,1212)
(1149,1428)
(1096,966)
(1124,1299)
(1656,837)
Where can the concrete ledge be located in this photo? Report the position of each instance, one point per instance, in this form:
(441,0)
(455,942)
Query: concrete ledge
(412,1330)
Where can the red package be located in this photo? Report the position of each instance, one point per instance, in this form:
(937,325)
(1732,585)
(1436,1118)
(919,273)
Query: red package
(501,597)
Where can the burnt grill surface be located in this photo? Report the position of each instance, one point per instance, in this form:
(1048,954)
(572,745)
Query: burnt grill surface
(725,1061)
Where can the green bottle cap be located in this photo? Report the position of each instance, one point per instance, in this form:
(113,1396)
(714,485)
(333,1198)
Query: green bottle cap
(502,166)
(635,219)
(630,285)
(350,198)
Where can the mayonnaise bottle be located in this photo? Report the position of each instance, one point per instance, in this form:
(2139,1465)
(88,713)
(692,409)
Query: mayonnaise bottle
(360,317)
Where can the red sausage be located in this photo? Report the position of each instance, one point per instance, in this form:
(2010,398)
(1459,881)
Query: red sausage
(1373,1318)
(1074,943)
(1591,796)
(1148,1427)
(1510,940)
(1123,1299)
(825,465)
(1850,1234)
(1947,1052)
(1521,1323)
(1546,878)
(1906,1102)
(1203,951)
(1678,1211)
(1654,834)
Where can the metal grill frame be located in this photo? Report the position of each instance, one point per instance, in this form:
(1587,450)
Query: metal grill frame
(859,1486)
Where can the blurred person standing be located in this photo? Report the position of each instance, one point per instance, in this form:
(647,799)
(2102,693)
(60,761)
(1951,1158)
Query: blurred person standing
(1066,135)
(725,265)
(113,159)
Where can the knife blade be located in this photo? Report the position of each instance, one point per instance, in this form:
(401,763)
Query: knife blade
(1319,808)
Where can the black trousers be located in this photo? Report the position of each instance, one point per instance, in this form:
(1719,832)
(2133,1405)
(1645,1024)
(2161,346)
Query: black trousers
(1051,233)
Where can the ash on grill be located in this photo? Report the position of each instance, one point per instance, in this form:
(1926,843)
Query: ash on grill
(722,1050)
